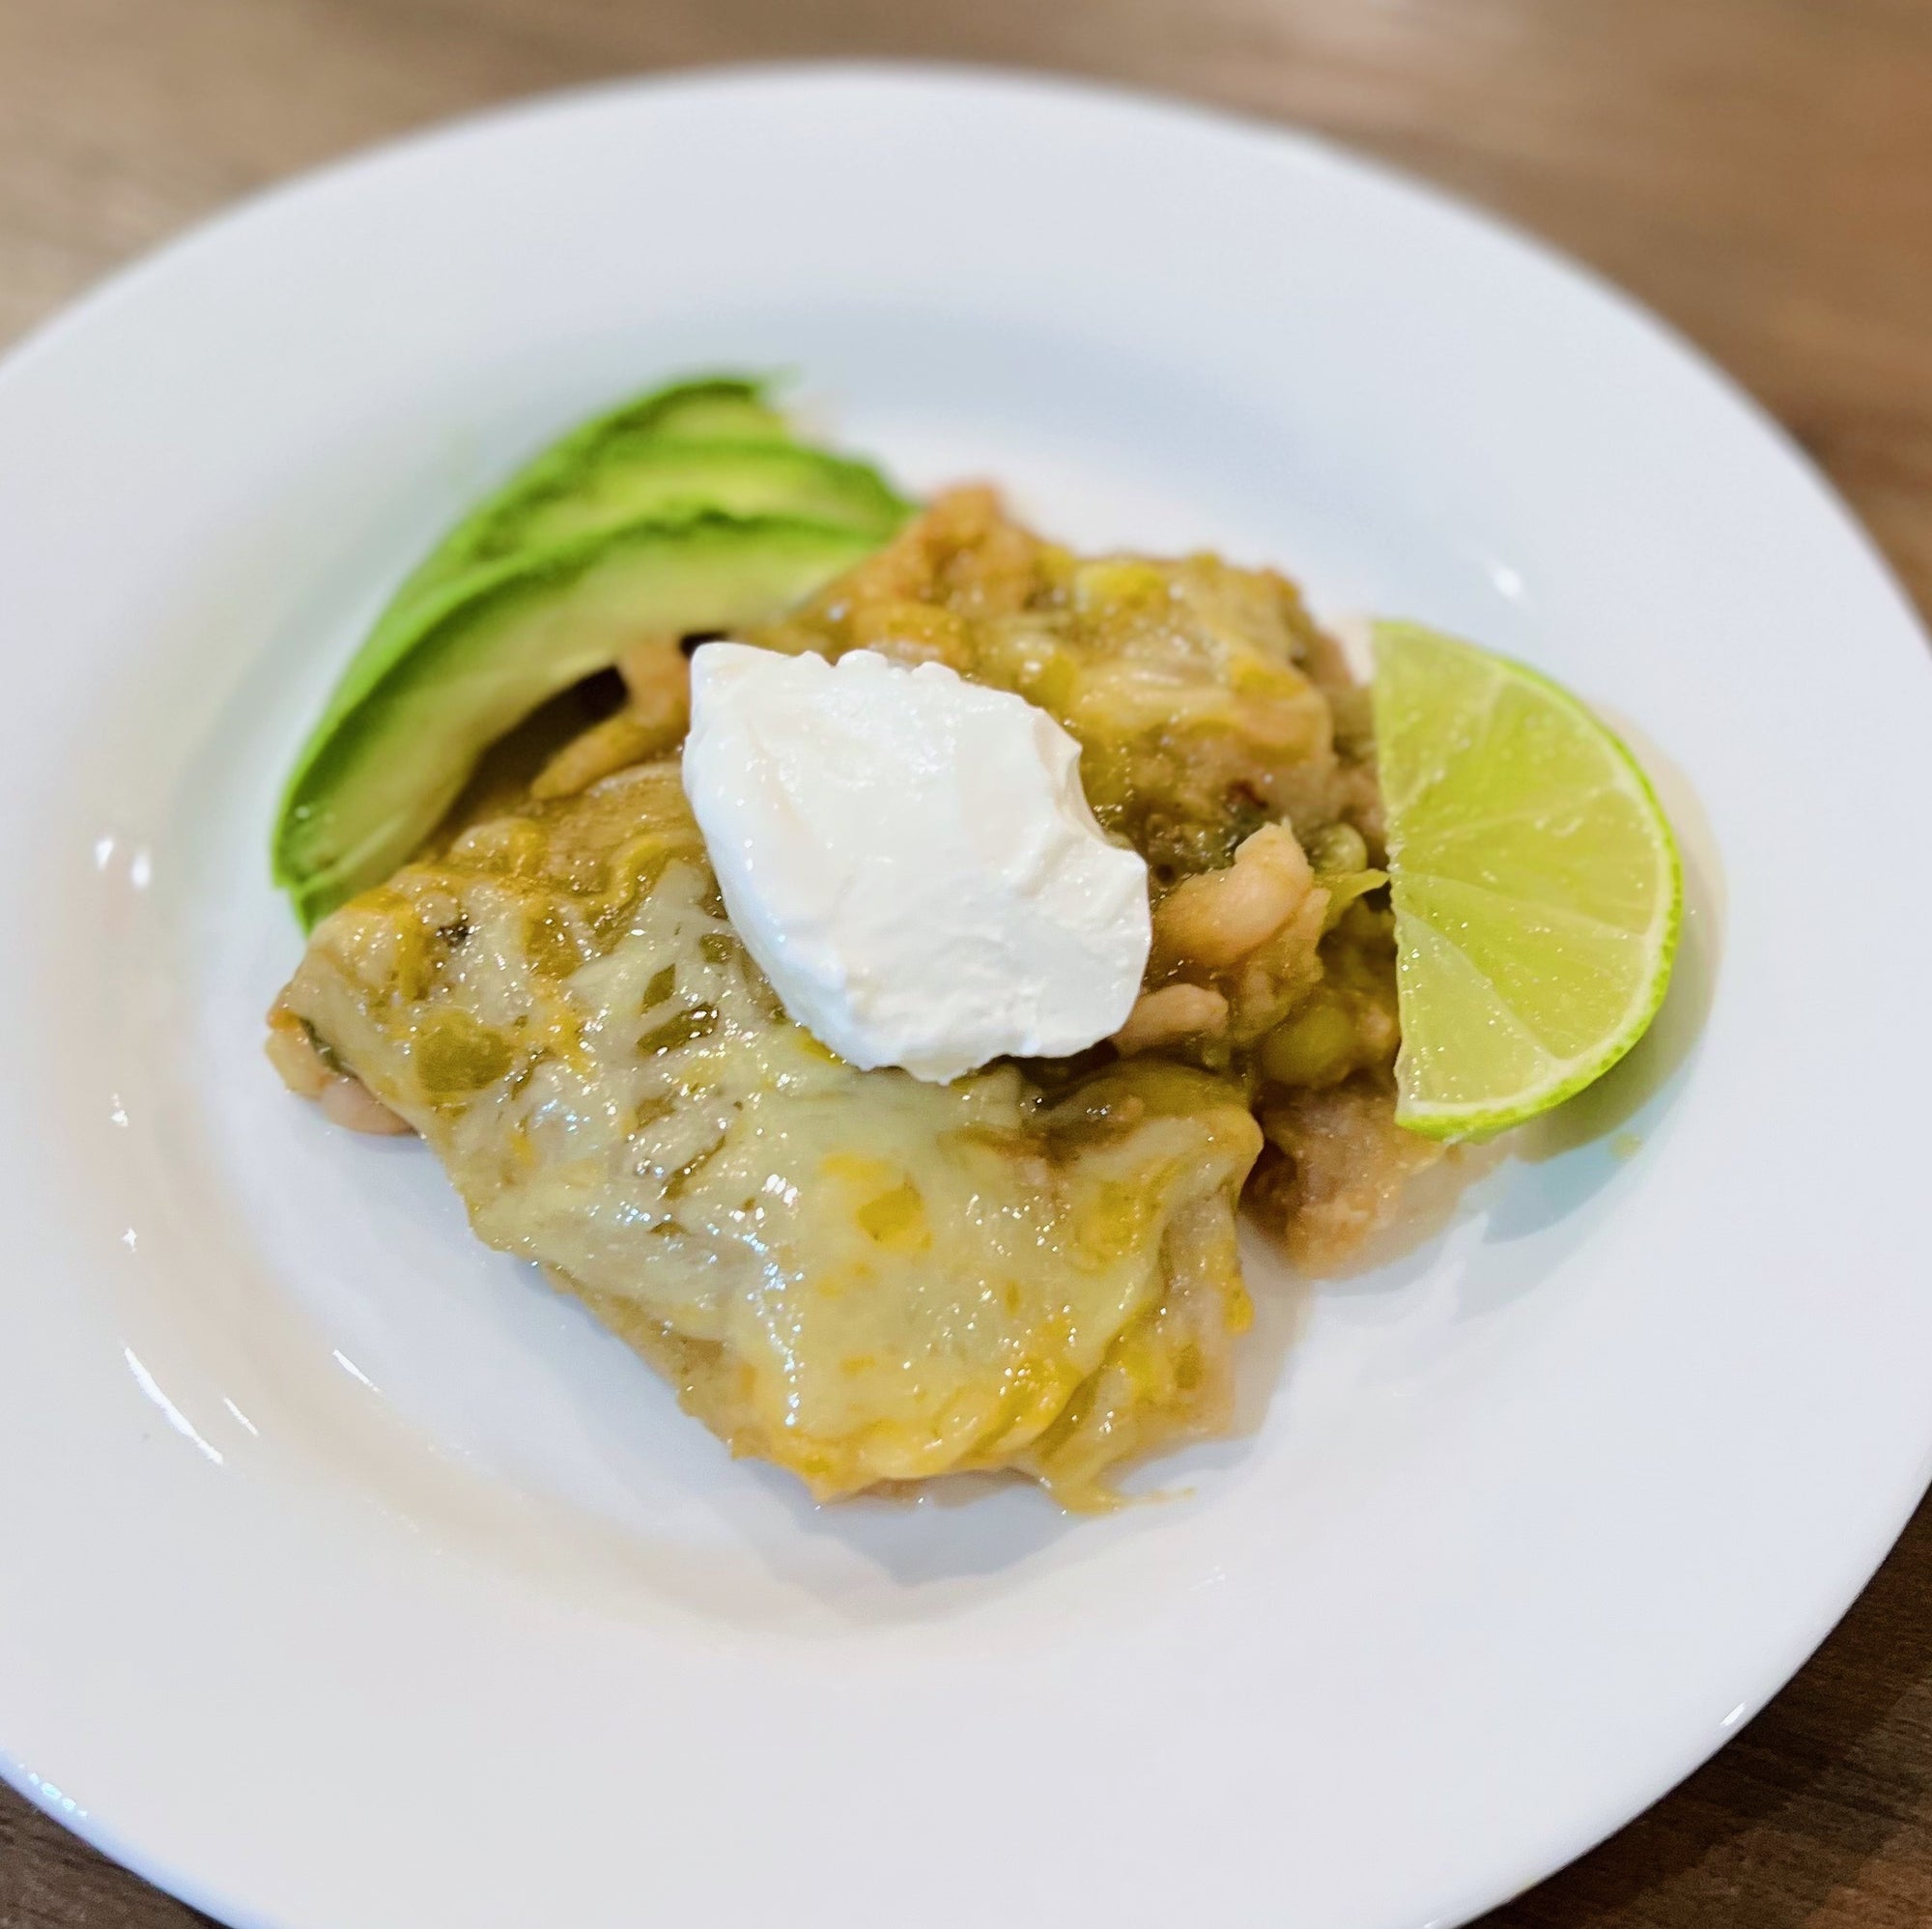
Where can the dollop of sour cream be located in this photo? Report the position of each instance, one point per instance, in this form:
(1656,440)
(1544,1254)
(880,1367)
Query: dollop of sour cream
(910,859)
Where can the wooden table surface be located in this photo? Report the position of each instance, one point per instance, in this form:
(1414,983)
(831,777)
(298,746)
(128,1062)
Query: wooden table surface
(1759,170)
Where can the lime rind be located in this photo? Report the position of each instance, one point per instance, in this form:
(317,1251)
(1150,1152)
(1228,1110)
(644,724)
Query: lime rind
(1462,686)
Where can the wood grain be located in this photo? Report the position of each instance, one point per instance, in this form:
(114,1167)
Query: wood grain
(1758,170)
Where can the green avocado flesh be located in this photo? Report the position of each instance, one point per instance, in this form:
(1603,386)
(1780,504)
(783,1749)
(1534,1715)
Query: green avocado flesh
(718,411)
(690,508)
(381,773)
(663,478)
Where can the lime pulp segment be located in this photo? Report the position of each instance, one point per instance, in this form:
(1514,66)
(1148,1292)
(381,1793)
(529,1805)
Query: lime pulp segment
(1537,885)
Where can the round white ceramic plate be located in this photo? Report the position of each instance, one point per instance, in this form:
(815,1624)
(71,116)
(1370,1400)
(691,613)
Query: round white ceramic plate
(352,1581)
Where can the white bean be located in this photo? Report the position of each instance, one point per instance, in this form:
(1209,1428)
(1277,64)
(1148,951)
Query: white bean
(1173,1012)
(1221,916)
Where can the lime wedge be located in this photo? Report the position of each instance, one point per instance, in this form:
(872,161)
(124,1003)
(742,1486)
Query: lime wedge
(1537,885)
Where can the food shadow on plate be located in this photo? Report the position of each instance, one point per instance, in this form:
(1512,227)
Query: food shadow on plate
(938,1546)
(975,1527)
(926,1535)
(981,1526)
(1572,1152)
(978,1526)
(1547,1173)
(1604,1110)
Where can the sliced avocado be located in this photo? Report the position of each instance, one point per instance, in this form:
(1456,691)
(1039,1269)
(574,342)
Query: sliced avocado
(716,409)
(654,480)
(712,407)
(680,465)
(406,725)
(656,476)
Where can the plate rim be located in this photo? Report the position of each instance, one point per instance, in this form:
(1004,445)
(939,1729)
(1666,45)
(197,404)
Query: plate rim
(216,228)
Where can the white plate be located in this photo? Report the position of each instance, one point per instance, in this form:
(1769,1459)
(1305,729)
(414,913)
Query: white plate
(351,1578)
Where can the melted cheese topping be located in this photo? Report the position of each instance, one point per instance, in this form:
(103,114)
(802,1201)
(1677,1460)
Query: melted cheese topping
(858,1276)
